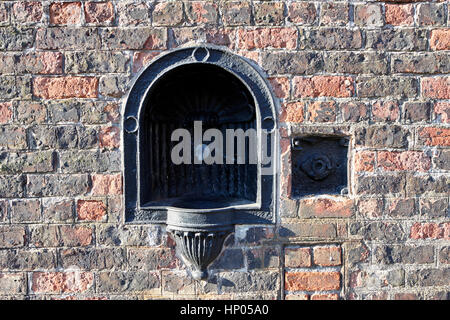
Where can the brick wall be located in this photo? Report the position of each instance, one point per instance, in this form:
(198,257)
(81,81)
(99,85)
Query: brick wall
(376,71)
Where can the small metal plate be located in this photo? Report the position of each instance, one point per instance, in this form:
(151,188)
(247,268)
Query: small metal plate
(319,165)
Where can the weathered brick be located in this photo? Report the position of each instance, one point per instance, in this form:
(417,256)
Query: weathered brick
(12,87)
(368,87)
(66,137)
(267,38)
(322,111)
(292,62)
(319,86)
(89,161)
(91,210)
(440,39)
(327,256)
(117,281)
(27,12)
(114,85)
(12,236)
(74,236)
(257,258)
(308,230)
(444,255)
(222,37)
(57,210)
(336,207)
(354,111)
(297,257)
(334,14)
(429,277)
(442,111)
(65,87)
(280,86)
(96,62)
(167,13)
(67,38)
(401,208)
(65,13)
(382,136)
(27,260)
(426,184)
(30,162)
(251,236)
(61,282)
(386,184)
(269,13)
(434,207)
(29,112)
(436,87)
(133,13)
(397,39)
(93,258)
(249,282)
(417,111)
(434,136)
(302,12)
(200,12)
(12,283)
(325,296)
(399,14)
(441,160)
(233,258)
(430,14)
(236,13)
(152,259)
(420,63)
(405,160)
(57,185)
(113,235)
(383,231)
(179,282)
(5,13)
(292,112)
(330,39)
(25,211)
(4,217)
(13,138)
(370,208)
(99,13)
(98,112)
(356,62)
(109,137)
(312,281)
(369,15)
(404,254)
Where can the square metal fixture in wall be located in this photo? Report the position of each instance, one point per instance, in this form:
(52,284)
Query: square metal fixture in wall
(319,165)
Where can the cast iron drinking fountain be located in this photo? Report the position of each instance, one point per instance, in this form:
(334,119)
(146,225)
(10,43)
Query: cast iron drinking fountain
(199,202)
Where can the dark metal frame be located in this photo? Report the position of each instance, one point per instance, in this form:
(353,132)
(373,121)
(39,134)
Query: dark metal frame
(263,211)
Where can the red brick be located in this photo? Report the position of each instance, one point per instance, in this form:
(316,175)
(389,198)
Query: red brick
(406,296)
(142,59)
(28,11)
(437,88)
(364,161)
(292,112)
(385,111)
(261,38)
(99,12)
(5,112)
(65,87)
(322,111)
(280,86)
(337,207)
(106,184)
(299,296)
(433,136)
(65,12)
(297,257)
(92,210)
(399,14)
(405,160)
(61,282)
(109,137)
(318,86)
(442,111)
(312,281)
(327,256)
(440,39)
(429,231)
(325,296)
